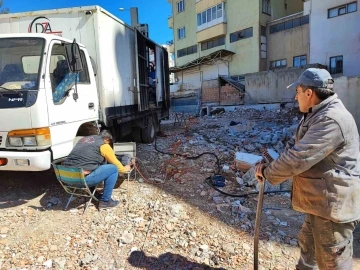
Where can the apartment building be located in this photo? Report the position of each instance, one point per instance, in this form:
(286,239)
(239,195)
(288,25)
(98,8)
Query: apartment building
(288,41)
(335,35)
(218,38)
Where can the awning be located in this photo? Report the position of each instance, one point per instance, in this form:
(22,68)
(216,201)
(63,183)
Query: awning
(208,59)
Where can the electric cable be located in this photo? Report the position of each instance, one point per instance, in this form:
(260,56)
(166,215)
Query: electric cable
(208,179)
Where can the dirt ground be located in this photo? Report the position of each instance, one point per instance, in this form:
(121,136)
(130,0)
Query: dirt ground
(169,219)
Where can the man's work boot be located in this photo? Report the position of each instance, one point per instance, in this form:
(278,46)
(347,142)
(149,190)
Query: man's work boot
(110,204)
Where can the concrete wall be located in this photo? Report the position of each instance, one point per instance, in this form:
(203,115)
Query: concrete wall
(191,79)
(270,86)
(288,43)
(348,90)
(335,36)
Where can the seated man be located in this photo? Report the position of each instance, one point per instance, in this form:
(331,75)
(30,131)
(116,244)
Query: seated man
(91,154)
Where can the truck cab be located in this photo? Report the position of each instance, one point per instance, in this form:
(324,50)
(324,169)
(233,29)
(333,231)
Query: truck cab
(42,102)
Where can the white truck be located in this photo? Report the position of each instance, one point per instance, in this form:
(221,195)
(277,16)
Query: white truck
(122,83)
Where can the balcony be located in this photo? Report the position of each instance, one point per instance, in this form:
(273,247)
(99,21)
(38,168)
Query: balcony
(211,32)
(211,23)
(202,5)
(171,22)
(211,20)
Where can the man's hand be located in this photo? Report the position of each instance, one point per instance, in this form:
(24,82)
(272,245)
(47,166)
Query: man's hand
(132,162)
(127,168)
(258,171)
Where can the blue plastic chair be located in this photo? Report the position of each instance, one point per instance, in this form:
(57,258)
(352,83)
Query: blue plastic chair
(73,181)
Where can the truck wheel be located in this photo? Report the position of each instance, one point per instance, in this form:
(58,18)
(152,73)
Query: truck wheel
(136,134)
(148,133)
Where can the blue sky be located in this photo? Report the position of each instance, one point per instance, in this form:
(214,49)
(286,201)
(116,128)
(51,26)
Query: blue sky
(155,15)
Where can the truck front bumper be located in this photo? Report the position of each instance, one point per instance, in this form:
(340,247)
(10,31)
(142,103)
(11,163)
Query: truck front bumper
(26,161)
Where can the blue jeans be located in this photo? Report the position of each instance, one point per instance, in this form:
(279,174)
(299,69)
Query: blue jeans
(107,173)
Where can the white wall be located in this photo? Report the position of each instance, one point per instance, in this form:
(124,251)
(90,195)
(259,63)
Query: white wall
(335,36)
(191,79)
(347,89)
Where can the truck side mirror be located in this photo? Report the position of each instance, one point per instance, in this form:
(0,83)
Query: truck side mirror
(72,51)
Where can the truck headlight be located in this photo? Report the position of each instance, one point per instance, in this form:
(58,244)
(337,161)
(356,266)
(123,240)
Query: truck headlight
(30,137)
(16,141)
(29,141)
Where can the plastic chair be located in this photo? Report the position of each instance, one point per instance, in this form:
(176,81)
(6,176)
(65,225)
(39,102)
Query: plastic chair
(73,181)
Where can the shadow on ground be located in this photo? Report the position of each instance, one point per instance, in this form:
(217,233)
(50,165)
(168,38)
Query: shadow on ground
(166,261)
(17,188)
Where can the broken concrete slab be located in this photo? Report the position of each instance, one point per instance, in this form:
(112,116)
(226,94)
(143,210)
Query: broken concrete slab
(244,161)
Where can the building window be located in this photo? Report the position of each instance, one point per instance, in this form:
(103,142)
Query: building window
(212,43)
(336,64)
(278,63)
(289,24)
(181,33)
(210,14)
(181,6)
(187,51)
(242,34)
(266,7)
(299,61)
(341,10)
(263,30)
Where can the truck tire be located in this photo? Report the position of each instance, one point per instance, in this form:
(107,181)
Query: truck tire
(148,133)
(136,134)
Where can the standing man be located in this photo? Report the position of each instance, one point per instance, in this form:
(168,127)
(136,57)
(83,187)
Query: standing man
(323,159)
(91,154)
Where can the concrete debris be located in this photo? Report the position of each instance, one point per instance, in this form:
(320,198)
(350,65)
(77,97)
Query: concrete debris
(48,263)
(176,222)
(244,161)
(127,238)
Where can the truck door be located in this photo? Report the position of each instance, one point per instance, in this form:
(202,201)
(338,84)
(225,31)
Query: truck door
(166,78)
(142,71)
(162,76)
(65,113)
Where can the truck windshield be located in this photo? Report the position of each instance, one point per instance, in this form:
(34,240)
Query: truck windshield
(20,60)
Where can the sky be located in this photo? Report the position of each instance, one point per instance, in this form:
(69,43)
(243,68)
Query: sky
(153,12)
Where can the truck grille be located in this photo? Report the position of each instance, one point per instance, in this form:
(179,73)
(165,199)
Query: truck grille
(0,140)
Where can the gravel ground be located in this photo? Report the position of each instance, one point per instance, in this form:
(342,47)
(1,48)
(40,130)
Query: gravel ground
(169,217)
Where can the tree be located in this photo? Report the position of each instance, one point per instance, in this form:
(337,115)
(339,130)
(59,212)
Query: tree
(3,10)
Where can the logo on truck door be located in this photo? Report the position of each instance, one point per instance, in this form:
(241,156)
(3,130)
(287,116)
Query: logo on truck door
(42,25)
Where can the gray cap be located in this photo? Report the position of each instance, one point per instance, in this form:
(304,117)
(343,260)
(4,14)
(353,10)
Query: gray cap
(315,77)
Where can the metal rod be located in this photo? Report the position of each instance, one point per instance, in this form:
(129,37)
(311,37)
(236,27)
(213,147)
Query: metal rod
(257,223)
